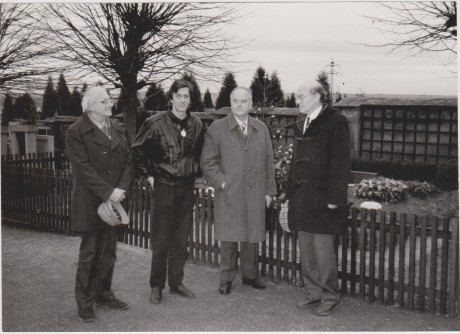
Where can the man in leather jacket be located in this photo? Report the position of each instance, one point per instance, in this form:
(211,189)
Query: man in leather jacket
(166,152)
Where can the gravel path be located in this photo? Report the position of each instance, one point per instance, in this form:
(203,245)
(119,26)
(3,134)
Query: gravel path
(38,272)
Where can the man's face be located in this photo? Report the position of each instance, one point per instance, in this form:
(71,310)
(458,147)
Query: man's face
(307,101)
(241,102)
(181,100)
(102,105)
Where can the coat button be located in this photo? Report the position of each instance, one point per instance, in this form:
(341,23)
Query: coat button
(249,188)
(245,148)
(249,168)
(109,172)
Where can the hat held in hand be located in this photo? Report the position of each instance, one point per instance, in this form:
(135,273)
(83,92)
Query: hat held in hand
(112,213)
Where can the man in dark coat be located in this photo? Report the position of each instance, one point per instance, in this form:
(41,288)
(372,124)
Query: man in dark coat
(101,171)
(237,160)
(166,152)
(317,194)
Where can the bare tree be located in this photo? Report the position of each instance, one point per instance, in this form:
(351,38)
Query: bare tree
(22,50)
(419,27)
(132,45)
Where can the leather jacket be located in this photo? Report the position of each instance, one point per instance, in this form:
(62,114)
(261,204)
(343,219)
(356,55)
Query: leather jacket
(169,148)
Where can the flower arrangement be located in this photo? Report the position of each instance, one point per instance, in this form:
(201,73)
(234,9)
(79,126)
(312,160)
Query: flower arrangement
(421,189)
(283,157)
(381,189)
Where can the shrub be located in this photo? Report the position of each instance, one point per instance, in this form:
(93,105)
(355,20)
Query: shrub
(283,156)
(421,189)
(447,176)
(381,189)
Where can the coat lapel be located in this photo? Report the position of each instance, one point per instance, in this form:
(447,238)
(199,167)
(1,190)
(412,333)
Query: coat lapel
(89,128)
(116,134)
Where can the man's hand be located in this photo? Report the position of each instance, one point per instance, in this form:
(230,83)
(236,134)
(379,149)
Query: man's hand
(117,195)
(150,179)
(268,200)
(332,206)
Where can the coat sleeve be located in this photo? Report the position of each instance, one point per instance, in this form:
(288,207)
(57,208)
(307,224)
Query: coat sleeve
(269,165)
(82,169)
(340,163)
(210,161)
(144,148)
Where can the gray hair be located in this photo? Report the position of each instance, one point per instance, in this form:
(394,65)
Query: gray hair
(90,96)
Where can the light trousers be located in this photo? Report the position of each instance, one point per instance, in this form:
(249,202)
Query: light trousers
(319,266)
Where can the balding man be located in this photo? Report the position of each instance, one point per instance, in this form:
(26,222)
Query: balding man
(102,170)
(237,160)
(317,194)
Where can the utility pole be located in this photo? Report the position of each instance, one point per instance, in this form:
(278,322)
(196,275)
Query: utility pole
(332,70)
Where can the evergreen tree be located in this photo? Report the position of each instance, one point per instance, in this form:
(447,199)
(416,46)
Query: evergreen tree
(50,100)
(324,81)
(24,107)
(196,103)
(155,99)
(64,95)
(275,95)
(259,85)
(75,108)
(266,91)
(290,102)
(208,99)
(8,110)
(229,83)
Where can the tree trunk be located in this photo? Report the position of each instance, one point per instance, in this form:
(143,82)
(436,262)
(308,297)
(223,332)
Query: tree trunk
(128,100)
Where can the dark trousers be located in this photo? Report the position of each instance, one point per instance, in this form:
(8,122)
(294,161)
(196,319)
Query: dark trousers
(95,267)
(229,260)
(172,219)
(319,266)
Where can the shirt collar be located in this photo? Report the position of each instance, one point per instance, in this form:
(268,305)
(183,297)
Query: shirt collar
(315,113)
(241,122)
(100,125)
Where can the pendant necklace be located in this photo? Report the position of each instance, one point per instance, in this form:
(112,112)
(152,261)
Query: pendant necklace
(183,133)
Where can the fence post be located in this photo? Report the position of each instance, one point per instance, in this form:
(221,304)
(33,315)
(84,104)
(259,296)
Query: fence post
(453,277)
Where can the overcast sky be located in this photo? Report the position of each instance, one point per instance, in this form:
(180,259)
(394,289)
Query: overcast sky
(299,39)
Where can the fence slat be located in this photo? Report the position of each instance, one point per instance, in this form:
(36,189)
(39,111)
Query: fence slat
(362,255)
(354,233)
(372,247)
(391,259)
(453,275)
(422,268)
(433,264)
(401,263)
(412,246)
(444,265)
(381,275)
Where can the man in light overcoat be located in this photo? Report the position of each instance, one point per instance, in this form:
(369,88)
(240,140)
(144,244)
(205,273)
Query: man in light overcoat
(238,162)
(317,194)
(102,170)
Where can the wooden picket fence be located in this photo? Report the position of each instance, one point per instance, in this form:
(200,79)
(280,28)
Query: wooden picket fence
(396,259)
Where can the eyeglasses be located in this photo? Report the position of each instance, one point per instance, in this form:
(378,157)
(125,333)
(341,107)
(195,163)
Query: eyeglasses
(238,101)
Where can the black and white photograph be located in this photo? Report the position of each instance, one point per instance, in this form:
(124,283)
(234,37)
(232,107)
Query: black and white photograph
(251,166)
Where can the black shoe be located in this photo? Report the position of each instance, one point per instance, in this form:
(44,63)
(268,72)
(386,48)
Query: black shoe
(115,303)
(182,290)
(156,295)
(325,309)
(256,283)
(225,287)
(308,303)
(86,314)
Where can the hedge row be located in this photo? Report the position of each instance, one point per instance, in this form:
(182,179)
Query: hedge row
(444,176)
